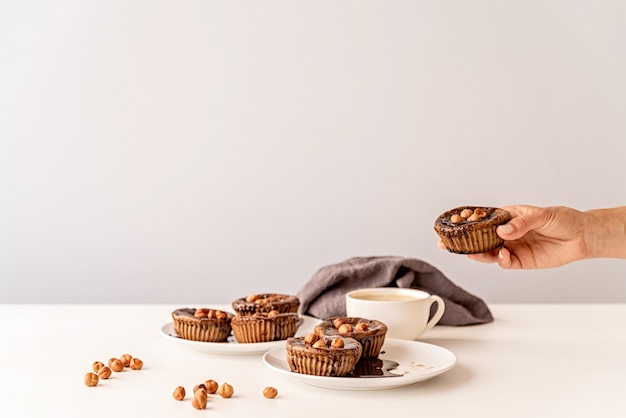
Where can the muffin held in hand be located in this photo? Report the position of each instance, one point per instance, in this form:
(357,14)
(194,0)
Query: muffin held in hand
(471,229)
(370,333)
(203,324)
(323,356)
(266,302)
(263,327)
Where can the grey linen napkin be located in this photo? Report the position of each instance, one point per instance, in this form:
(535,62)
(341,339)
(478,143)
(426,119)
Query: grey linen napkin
(323,296)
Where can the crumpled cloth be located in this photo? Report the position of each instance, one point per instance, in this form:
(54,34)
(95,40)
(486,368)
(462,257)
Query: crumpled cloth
(323,296)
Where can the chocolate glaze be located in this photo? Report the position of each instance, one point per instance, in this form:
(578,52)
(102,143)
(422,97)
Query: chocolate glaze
(495,216)
(267,302)
(375,368)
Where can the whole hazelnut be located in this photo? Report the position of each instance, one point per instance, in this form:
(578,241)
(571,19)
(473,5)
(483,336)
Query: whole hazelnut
(179,393)
(225,390)
(97,365)
(201,313)
(344,328)
(455,219)
(200,398)
(337,322)
(273,313)
(361,326)
(125,359)
(337,343)
(211,386)
(474,218)
(104,372)
(251,298)
(466,213)
(221,315)
(480,213)
(136,364)
(311,338)
(320,343)
(91,379)
(116,364)
(270,392)
(200,386)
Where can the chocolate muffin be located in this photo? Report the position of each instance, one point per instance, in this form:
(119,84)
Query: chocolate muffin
(471,229)
(266,302)
(323,356)
(203,324)
(264,327)
(369,333)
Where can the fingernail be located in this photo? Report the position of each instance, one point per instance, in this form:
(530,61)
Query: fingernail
(506,229)
(500,255)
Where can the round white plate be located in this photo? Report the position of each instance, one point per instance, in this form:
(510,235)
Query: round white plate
(417,361)
(232,347)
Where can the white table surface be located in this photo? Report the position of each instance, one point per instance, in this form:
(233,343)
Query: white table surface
(533,360)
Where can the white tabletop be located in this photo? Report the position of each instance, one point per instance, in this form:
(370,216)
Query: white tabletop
(533,360)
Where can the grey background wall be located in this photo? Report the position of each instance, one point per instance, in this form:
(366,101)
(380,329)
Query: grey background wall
(190,151)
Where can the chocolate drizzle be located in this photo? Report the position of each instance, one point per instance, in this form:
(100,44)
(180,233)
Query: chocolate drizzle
(375,368)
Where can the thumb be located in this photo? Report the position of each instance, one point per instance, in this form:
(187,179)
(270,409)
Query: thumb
(520,225)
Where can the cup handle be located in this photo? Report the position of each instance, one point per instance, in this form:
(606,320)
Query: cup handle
(441,306)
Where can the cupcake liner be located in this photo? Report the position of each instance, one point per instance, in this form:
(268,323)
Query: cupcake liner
(473,242)
(258,328)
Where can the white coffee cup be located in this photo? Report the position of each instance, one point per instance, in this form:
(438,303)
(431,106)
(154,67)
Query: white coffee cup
(405,311)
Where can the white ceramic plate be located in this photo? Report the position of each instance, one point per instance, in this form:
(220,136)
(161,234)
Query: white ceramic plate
(417,361)
(232,347)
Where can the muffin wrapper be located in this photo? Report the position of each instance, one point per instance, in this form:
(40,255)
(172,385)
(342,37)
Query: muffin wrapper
(371,345)
(207,332)
(472,242)
(264,330)
(335,364)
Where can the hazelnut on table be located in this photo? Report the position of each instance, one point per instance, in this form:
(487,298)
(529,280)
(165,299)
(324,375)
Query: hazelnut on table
(200,398)
(270,392)
(179,393)
(91,379)
(225,390)
(211,386)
